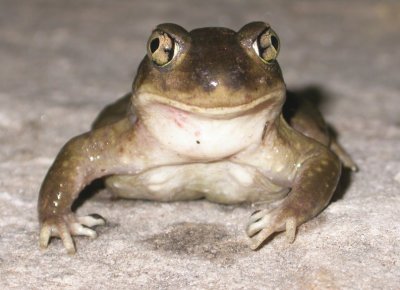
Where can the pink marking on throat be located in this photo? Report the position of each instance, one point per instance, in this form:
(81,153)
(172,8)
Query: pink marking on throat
(180,118)
(178,123)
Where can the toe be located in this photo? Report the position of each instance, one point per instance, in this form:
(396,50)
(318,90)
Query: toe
(65,226)
(259,238)
(44,236)
(291,225)
(79,230)
(258,214)
(66,238)
(92,220)
(257,226)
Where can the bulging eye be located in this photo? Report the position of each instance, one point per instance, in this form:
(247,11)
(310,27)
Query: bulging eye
(267,45)
(161,48)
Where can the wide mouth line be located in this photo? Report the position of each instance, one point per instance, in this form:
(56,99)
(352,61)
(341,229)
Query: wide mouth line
(149,98)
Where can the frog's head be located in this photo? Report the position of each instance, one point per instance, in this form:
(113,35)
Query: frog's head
(210,83)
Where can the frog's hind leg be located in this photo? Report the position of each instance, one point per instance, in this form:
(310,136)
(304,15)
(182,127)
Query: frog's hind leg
(113,112)
(304,116)
(343,155)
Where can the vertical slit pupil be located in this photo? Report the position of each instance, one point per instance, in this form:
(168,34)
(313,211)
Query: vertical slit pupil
(275,42)
(154,44)
(261,49)
(170,53)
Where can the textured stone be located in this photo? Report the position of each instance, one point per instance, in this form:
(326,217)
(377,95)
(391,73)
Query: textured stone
(62,61)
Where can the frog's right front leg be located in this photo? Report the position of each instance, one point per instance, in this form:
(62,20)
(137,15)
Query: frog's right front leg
(101,152)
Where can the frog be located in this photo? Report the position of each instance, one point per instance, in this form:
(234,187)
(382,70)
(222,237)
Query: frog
(205,119)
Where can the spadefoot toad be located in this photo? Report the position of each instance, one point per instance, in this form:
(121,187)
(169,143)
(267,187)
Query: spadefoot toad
(204,120)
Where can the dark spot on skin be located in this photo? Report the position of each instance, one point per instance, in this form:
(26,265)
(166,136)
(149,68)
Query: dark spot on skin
(197,141)
(201,240)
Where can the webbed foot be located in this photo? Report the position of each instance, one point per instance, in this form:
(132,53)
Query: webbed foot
(67,226)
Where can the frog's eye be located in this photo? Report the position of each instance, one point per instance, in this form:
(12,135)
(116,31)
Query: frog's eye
(161,48)
(267,45)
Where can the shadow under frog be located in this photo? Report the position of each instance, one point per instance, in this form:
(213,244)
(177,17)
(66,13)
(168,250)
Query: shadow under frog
(208,117)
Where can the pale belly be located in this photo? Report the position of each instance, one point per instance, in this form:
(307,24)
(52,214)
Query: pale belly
(222,182)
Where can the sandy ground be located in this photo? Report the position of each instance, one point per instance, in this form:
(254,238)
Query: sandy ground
(62,61)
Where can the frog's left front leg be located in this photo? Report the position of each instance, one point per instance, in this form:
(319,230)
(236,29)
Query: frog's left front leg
(313,186)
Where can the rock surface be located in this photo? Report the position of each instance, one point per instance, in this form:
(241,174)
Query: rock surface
(62,61)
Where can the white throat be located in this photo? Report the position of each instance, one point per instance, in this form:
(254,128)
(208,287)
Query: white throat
(203,137)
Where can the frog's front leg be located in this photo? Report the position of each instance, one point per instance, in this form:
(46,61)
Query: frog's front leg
(312,189)
(81,160)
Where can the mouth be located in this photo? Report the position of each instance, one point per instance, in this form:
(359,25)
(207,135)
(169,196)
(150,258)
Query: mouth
(270,99)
